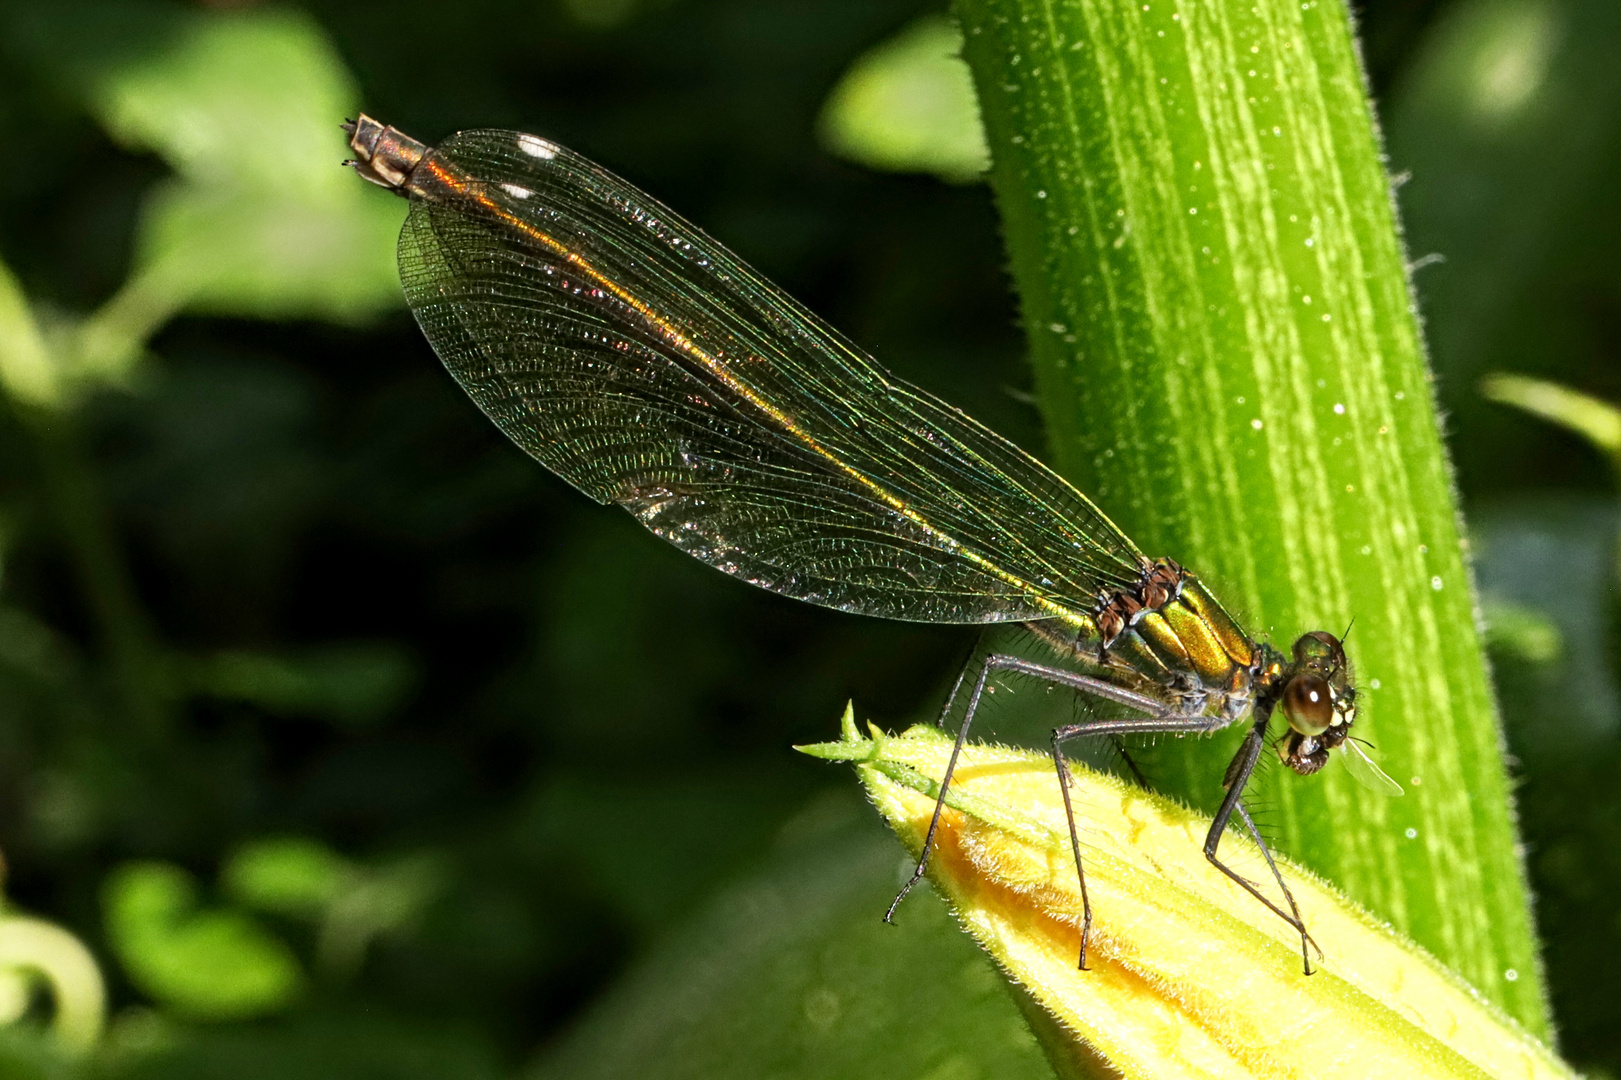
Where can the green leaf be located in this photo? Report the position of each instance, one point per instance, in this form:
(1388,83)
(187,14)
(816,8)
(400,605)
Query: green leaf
(374,902)
(354,684)
(1201,231)
(27,372)
(1546,567)
(791,973)
(261,221)
(1506,121)
(908,106)
(1599,422)
(210,963)
(291,876)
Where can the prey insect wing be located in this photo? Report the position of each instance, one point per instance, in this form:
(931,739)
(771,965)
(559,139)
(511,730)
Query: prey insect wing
(1365,771)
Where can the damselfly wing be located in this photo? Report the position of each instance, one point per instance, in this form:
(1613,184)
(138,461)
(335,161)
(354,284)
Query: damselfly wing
(651,368)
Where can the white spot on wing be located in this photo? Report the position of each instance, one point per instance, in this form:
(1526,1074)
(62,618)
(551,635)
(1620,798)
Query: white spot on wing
(536,147)
(516,192)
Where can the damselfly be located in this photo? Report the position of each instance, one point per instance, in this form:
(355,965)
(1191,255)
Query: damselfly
(649,367)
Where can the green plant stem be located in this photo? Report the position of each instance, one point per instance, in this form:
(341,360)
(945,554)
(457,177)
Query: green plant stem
(1210,273)
(31,377)
(88,534)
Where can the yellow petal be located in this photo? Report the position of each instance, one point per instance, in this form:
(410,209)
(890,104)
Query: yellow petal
(1190,976)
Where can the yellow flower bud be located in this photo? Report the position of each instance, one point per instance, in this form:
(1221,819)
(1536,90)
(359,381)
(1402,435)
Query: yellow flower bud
(1189,976)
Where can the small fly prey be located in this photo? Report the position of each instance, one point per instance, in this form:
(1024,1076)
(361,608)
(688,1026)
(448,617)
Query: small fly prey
(649,367)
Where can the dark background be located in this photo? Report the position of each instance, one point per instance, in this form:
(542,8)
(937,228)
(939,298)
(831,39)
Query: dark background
(552,736)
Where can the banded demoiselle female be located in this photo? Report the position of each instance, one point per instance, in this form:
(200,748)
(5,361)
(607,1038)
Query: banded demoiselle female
(651,368)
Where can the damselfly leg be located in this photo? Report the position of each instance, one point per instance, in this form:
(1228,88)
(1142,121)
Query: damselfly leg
(1152,718)
(1238,775)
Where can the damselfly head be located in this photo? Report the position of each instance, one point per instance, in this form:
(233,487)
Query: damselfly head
(1318,701)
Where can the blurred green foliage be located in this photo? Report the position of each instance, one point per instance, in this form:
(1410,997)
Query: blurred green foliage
(213,963)
(319,703)
(909,106)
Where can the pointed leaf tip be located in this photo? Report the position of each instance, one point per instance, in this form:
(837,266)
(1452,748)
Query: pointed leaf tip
(847,723)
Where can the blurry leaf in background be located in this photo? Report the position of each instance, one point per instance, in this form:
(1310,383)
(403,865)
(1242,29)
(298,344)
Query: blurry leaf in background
(1522,633)
(352,904)
(1500,91)
(1546,569)
(212,964)
(354,684)
(16,994)
(28,645)
(27,371)
(909,106)
(334,1044)
(654,846)
(259,219)
(790,972)
(294,876)
(33,951)
(374,902)
(602,14)
(222,471)
(31,1055)
(1599,422)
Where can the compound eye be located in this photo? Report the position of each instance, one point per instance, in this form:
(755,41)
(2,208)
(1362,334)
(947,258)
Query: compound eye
(1308,704)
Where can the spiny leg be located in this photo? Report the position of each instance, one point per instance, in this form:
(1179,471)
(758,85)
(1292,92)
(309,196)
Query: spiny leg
(1087,684)
(1238,776)
(1277,875)
(1061,764)
(1131,763)
(1157,722)
(945,781)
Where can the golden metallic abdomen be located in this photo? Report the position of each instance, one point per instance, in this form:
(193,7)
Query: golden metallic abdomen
(1190,638)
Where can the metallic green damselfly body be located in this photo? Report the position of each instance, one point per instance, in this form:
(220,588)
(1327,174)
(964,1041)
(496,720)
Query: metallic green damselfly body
(651,368)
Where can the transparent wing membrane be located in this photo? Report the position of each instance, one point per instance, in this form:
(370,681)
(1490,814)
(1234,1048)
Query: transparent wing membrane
(649,367)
